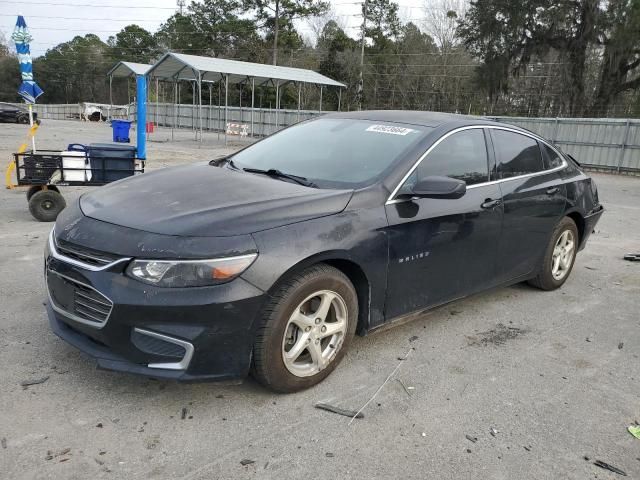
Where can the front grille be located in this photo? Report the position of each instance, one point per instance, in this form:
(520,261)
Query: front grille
(155,346)
(86,255)
(78,301)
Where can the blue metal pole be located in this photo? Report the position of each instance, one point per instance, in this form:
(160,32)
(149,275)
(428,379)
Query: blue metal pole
(141,119)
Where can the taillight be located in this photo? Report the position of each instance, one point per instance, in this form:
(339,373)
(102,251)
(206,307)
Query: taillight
(594,189)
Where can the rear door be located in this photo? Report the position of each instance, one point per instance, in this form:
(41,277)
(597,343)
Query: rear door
(534,200)
(442,249)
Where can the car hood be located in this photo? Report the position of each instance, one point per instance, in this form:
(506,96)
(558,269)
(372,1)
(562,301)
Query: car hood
(203,200)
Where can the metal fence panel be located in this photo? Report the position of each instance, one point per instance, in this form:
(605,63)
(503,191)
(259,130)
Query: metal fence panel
(607,143)
(265,121)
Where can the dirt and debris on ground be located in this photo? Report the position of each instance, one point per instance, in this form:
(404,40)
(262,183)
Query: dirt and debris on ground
(340,411)
(611,468)
(509,380)
(34,381)
(499,335)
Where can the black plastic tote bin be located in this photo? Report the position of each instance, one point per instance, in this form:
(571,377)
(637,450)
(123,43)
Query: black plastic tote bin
(38,169)
(110,162)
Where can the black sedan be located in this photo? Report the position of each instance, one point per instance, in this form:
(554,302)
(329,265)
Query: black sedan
(15,114)
(270,260)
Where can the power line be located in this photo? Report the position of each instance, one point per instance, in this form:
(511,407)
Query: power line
(86,19)
(91,5)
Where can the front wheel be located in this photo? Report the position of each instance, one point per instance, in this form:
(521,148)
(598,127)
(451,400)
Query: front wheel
(559,257)
(305,330)
(45,205)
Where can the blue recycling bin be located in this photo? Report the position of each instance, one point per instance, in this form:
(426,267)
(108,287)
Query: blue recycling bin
(121,130)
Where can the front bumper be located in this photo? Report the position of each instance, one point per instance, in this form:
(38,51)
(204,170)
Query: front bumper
(186,334)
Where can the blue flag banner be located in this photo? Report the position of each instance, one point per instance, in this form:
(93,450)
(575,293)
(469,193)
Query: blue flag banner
(29,90)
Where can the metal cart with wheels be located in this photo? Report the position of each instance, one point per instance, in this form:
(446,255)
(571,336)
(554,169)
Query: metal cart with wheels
(42,173)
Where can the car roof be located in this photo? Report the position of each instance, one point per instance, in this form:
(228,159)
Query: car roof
(425,119)
(414,117)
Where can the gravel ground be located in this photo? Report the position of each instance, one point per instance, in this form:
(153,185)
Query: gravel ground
(555,374)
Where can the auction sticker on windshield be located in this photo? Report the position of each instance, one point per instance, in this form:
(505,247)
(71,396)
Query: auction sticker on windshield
(393,130)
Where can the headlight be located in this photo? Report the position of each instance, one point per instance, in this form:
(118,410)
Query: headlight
(189,273)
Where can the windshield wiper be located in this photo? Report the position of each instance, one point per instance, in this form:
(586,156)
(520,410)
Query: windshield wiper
(272,172)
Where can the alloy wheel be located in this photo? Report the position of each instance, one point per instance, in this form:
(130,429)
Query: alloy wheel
(563,255)
(314,333)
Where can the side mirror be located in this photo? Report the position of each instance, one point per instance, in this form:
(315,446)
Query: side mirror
(439,187)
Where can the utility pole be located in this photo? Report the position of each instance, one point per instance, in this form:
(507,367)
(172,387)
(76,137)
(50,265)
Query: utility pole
(360,91)
(180,5)
(275,33)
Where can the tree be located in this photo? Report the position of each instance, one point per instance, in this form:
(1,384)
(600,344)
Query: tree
(332,42)
(383,25)
(219,22)
(9,72)
(75,71)
(579,33)
(441,21)
(277,15)
(135,44)
(620,67)
(179,34)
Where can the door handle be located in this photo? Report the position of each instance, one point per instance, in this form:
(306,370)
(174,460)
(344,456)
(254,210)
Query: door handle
(552,190)
(491,203)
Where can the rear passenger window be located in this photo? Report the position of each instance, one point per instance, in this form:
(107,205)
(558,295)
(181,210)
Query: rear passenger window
(516,154)
(551,157)
(463,156)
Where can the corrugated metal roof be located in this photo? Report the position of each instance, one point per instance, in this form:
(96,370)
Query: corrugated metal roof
(184,67)
(126,69)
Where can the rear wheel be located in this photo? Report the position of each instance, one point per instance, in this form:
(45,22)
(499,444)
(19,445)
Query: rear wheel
(45,205)
(305,330)
(559,257)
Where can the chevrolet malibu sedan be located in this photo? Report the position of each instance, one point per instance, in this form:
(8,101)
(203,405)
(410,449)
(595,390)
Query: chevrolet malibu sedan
(269,260)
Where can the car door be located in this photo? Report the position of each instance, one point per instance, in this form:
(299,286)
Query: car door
(534,200)
(441,249)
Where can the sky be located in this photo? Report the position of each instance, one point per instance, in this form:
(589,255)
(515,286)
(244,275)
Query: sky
(55,21)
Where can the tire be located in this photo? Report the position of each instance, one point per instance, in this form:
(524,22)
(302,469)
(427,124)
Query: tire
(282,354)
(550,278)
(45,205)
(23,119)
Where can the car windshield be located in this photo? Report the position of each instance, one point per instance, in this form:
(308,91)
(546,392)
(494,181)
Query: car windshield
(333,152)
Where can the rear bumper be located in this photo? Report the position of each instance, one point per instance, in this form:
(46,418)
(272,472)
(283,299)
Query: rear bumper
(590,222)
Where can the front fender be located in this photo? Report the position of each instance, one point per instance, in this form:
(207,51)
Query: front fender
(357,236)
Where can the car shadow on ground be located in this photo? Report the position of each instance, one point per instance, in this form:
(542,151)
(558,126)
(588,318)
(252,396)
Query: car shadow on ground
(74,369)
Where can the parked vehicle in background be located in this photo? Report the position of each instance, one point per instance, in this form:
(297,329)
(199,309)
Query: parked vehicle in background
(271,259)
(10,113)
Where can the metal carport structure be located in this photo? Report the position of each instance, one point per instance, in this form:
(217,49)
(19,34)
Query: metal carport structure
(176,67)
(125,70)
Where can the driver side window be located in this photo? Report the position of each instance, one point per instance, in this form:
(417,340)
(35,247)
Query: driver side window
(462,155)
